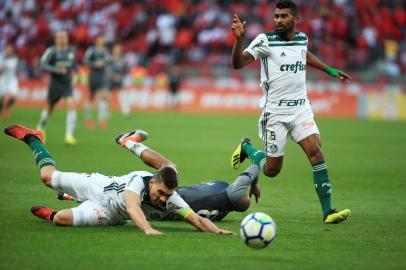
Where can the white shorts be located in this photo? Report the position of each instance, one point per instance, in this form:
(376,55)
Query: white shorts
(275,128)
(88,189)
(8,86)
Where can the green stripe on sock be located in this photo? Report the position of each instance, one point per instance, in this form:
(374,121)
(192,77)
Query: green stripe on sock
(323,187)
(40,153)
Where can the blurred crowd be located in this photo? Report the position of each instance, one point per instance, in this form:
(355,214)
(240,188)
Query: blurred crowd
(349,34)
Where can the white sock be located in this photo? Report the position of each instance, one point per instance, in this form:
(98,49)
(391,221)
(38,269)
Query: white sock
(43,119)
(124,104)
(70,123)
(103,110)
(135,148)
(88,110)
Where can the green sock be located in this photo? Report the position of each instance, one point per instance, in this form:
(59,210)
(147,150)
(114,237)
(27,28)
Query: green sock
(254,154)
(323,187)
(41,154)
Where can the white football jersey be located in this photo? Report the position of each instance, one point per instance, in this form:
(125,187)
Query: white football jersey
(283,71)
(138,182)
(8,67)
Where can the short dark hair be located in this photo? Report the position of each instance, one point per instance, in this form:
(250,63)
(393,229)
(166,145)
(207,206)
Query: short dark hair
(169,176)
(288,4)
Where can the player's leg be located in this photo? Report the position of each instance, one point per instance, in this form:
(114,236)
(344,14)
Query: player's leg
(54,95)
(71,116)
(89,111)
(34,139)
(10,102)
(11,97)
(132,141)
(102,99)
(62,217)
(274,135)
(238,190)
(7,101)
(88,213)
(2,104)
(123,98)
(306,134)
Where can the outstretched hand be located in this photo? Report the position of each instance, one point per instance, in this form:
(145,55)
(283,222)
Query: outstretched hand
(344,77)
(152,231)
(225,232)
(238,27)
(256,191)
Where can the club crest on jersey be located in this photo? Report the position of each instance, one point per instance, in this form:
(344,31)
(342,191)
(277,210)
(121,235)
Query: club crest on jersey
(274,148)
(298,66)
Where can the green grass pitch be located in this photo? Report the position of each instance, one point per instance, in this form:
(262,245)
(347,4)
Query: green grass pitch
(367,165)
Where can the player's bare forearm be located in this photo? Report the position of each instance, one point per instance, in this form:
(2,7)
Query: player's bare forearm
(133,207)
(155,159)
(314,61)
(237,56)
(205,225)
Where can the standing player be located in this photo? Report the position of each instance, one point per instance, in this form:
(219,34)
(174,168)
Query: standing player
(8,80)
(175,77)
(286,108)
(117,71)
(60,61)
(111,200)
(97,58)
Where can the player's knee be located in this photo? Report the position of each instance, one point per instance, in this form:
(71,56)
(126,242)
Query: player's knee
(315,155)
(242,205)
(271,171)
(46,175)
(61,219)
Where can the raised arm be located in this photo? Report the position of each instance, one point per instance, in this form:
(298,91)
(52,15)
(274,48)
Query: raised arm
(133,207)
(313,61)
(205,225)
(239,58)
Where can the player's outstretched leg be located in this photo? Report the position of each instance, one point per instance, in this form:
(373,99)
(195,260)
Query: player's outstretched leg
(58,217)
(246,149)
(43,212)
(34,139)
(237,191)
(239,155)
(23,133)
(132,136)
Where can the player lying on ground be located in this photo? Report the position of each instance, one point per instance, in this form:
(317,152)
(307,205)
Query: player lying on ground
(111,200)
(212,200)
(286,109)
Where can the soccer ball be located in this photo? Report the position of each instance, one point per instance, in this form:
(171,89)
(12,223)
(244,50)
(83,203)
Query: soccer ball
(257,230)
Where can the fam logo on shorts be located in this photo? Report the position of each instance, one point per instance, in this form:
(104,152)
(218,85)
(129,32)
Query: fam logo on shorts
(273,148)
